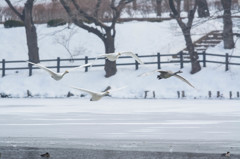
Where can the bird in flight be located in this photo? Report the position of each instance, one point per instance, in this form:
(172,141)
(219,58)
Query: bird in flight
(97,95)
(55,75)
(168,74)
(114,56)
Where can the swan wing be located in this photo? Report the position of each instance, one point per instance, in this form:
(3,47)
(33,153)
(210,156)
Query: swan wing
(148,73)
(79,67)
(44,68)
(161,71)
(117,89)
(108,54)
(85,90)
(184,80)
(133,56)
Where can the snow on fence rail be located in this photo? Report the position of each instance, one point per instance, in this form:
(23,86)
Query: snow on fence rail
(157,61)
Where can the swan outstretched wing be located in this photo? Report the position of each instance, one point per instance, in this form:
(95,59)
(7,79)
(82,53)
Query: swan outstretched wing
(148,73)
(133,55)
(79,67)
(43,67)
(116,89)
(85,90)
(108,54)
(184,80)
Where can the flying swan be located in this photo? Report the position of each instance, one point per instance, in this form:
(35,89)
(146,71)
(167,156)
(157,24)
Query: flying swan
(97,95)
(55,75)
(168,74)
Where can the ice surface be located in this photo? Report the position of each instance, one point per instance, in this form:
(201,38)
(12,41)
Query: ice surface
(194,125)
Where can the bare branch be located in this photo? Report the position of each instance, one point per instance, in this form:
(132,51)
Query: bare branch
(87,16)
(14,10)
(97,8)
(173,8)
(79,22)
(191,14)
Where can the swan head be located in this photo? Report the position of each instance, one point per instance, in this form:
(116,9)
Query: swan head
(179,71)
(106,93)
(66,72)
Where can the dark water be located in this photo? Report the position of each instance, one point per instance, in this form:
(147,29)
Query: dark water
(73,153)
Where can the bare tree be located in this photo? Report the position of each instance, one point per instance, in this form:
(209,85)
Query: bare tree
(186,29)
(30,29)
(105,32)
(227,22)
(203,10)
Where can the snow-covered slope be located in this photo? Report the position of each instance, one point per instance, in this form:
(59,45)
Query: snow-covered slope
(144,38)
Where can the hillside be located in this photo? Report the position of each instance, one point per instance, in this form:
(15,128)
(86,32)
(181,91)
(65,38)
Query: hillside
(143,38)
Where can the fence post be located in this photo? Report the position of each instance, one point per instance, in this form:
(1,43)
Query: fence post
(136,64)
(181,59)
(86,61)
(226,69)
(3,67)
(159,60)
(30,69)
(209,94)
(204,58)
(58,64)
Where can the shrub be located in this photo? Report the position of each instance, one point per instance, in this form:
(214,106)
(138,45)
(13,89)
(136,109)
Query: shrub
(56,22)
(13,23)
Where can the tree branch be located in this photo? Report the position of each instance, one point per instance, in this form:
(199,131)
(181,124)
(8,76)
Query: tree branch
(79,22)
(173,8)
(97,8)
(191,14)
(14,10)
(87,16)
(117,9)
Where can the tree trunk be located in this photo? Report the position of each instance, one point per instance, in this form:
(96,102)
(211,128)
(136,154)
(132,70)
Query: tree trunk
(110,66)
(193,55)
(186,30)
(159,7)
(227,22)
(203,10)
(31,33)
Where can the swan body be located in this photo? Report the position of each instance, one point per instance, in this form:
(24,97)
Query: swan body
(55,75)
(116,55)
(96,95)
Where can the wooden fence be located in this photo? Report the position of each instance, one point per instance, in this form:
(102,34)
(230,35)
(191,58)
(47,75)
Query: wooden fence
(225,60)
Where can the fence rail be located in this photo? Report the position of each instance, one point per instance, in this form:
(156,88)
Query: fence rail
(158,62)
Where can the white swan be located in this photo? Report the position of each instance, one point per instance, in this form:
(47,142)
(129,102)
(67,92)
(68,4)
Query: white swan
(55,75)
(97,95)
(114,56)
(168,74)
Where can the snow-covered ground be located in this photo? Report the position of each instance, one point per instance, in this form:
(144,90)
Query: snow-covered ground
(122,124)
(195,122)
(144,38)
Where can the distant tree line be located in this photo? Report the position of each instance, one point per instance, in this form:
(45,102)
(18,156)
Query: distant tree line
(54,10)
(91,16)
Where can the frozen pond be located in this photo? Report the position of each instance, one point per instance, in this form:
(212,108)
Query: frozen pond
(184,125)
